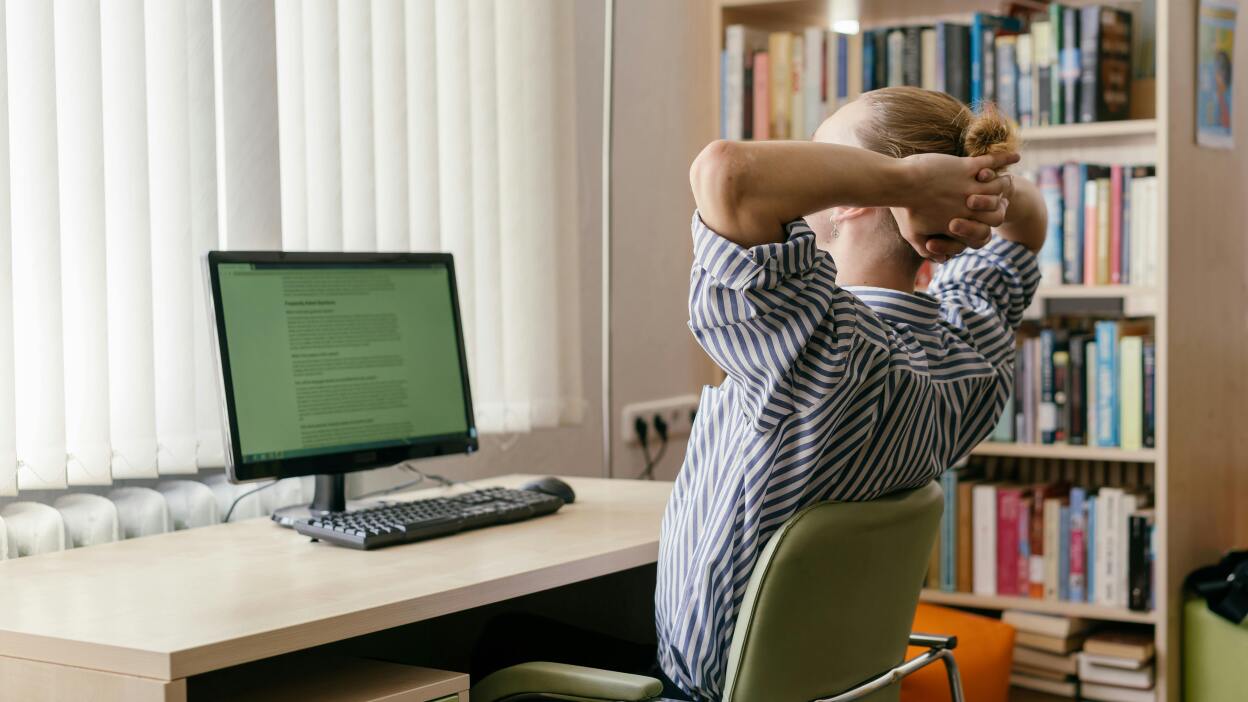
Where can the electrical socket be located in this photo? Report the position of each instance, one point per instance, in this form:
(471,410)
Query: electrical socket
(676,411)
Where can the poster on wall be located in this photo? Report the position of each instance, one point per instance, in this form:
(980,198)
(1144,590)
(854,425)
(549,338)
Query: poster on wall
(1215,68)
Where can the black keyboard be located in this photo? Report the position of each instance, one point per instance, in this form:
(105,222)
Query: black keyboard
(400,522)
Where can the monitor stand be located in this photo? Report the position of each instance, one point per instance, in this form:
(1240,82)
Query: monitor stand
(330,495)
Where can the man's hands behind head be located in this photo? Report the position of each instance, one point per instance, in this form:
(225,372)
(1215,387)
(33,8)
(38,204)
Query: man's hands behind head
(952,203)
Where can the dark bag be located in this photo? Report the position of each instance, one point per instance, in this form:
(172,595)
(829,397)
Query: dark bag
(1224,586)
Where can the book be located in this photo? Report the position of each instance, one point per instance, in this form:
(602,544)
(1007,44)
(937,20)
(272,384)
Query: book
(912,55)
(1052,546)
(1009,499)
(1115,224)
(1063,553)
(1057,90)
(1052,687)
(1038,672)
(780,52)
(1075,412)
(1074,175)
(880,40)
(1131,392)
(927,58)
(1071,65)
(833,74)
(1077,580)
(1107,383)
(723,94)
(1148,429)
(1113,693)
(953,70)
(1052,253)
(747,98)
(1104,207)
(1091,205)
(1051,341)
(1114,662)
(1091,671)
(1046,624)
(1050,656)
(1061,371)
(1108,513)
(1006,49)
(1039,535)
(762,96)
(1129,645)
(1092,361)
(948,535)
(966,536)
(814,96)
(854,68)
(984,540)
(1124,212)
(1139,565)
(1042,67)
(1051,644)
(896,62)
(734,70)
(1105,63)
(1089,552)
(1026,76)
(797,99)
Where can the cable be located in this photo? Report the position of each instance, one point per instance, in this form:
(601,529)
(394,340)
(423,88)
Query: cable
(642,429)
(445,482)
(395,488)
(249,493)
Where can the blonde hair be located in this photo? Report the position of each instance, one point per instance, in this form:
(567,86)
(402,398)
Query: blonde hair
(903,121)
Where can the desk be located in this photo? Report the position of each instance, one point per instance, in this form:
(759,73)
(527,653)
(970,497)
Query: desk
(132,620)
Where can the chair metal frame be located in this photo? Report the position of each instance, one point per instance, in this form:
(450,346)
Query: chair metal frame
(939,648)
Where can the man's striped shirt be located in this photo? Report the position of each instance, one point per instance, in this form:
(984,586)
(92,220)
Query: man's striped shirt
(831,394)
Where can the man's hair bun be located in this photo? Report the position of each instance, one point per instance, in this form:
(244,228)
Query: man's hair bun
(989,132)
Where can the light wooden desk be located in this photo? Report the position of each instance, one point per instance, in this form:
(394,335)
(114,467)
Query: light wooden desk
(133,620)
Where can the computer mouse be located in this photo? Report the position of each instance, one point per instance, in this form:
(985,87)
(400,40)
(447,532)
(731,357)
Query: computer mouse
(551,486)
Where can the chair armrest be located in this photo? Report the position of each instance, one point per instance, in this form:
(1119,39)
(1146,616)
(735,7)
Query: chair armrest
(933,641)
(572,682)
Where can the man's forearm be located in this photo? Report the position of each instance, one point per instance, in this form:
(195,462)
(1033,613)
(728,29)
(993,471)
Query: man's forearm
(1026,219)
(747,191)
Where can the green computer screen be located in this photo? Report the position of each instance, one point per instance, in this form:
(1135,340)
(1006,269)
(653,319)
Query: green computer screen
(335,358)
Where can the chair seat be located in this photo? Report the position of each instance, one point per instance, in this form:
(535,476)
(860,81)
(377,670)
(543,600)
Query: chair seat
(984,654)
(89,519)
(540,680)
(33,528)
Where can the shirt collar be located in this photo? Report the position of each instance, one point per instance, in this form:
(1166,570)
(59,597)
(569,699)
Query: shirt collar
(915,309)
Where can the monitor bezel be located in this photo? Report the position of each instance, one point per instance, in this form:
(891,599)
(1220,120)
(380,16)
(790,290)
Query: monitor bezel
(346,461)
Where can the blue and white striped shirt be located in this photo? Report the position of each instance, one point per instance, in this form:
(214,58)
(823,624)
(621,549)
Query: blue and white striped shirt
(832,394)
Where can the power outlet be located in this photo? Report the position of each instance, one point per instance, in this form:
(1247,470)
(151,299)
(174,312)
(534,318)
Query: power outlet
(676,411)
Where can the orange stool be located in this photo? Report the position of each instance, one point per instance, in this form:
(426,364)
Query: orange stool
(984,655)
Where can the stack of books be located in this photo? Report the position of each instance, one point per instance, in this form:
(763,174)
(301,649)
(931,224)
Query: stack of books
(1117,667)
(1046,541)
(1084,382)
(1046,651)
(1066,65)
(1102,224)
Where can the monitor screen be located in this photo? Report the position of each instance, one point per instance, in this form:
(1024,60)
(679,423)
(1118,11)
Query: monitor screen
(339,362)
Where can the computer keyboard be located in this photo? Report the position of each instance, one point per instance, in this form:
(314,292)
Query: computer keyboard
(400,522)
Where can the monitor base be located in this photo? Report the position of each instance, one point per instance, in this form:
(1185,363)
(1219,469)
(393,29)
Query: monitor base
(330,495)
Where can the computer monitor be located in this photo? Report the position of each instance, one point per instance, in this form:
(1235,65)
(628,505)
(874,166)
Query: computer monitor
(338,362)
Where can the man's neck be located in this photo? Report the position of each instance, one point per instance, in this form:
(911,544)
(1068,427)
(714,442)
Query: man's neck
(848,275)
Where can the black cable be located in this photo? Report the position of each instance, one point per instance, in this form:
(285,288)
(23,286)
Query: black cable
(444,481)
(660,428)
(238,499)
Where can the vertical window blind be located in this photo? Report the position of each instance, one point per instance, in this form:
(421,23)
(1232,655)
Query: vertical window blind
(403,125)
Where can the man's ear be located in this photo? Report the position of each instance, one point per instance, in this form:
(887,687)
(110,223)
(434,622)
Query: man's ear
(840,215)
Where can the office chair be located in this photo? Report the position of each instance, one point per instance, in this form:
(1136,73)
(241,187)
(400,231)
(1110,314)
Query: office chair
(826,616)
(89,519)
(33,528)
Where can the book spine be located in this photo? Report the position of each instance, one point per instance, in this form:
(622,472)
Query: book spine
(1091,221)
(780,51)
(1072,223)
(1131,393)
(1039,546)
(1149,429)
(966,537)
(723,94)
(762,96)
(912,56)
(984,523)
(1092,362)
(1006,51)
(1115,224)
(797,98)
(1075,393)
(813,81)
(1023,58)
(1061,375)
(928,61)
(881,58)
(1089,78)
(1138,566)
(990,65)
(1113,95)
(1056,89)
(1007,541)
(1124,254)
(1023,564)
(855,59)
(948,535)
(1090,541)
(957,62)
(1122,589)
(896,58)
(1103,233)
(842,70)
(977,58)
(1077,545)
(1004,431)
(1063,554)
(1070,65)
(1107,384)
(940,80)
(734,42)
(1052,534)
(1046,416)
(868,60)
(747,98)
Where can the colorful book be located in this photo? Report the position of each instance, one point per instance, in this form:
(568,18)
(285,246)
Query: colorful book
(1063,554)
(927,58)
(780,51)
(1090,541)
(1026,76)
(1042,60)
(797,99)
(814,98)
(1071,66)
(1131,393)
(984,521)
(912,55)
(1006,50)
(723,94)
(1074,175)
(1075,413)
(966,535)
(896,46)
(1107,384)
(1115,224)
(1091,373)
(854,65)
(1139,575)
(1105,63)
(1077,546)
(1056,38)
(953,67)
(1104,233)
(1091,222)
(984,30)
(1148,429)
(1009,499)
(762,96)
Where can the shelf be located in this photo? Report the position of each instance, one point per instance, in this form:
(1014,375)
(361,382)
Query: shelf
(1076,292)
(1091,130)
(1063,451)
(1068,609)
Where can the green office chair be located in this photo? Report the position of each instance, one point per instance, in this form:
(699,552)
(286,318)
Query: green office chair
(826,616)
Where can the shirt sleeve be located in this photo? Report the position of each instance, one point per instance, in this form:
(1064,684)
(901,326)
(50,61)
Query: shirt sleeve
(772,317)
(983,294)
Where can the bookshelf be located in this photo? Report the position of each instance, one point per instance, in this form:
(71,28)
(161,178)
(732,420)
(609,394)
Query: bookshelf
(1196,469)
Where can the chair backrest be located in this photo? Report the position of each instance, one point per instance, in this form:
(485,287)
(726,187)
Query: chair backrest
(832,598)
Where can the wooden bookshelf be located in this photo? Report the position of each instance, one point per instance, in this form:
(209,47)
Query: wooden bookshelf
(1030,604)
(1095,130)
(1196,470)
(1064,452)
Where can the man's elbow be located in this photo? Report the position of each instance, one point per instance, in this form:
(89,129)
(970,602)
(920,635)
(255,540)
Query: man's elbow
(716,179)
